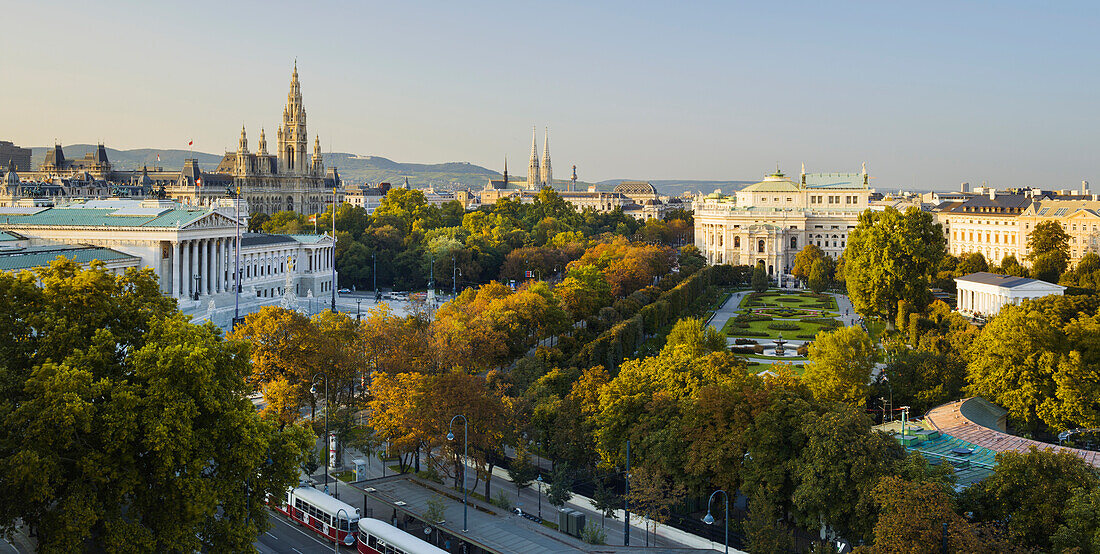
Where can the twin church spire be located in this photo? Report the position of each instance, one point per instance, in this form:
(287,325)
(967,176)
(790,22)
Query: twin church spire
(539,175)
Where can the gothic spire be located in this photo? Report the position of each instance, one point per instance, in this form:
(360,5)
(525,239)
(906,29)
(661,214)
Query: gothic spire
(242,146)
(533,166)
(546,178)
(263,143)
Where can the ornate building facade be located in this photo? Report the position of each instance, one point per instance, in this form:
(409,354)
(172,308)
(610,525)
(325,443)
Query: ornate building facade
(772,220)
(289,179)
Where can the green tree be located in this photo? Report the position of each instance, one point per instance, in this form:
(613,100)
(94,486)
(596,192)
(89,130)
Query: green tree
(1037,360)
(839,467)
(973,262)
(819,277)
(840,366)
(891,256)
(561,480)
(1048,267)
(759,278)
(805,259)
(1034,514)
(1082,522)
(126,428)
(691,259)
(1048,238)
(694,338)
(605,501)
(522,472)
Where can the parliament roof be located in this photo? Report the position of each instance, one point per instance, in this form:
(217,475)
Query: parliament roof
(40,256)
(1005,281)
(80,216)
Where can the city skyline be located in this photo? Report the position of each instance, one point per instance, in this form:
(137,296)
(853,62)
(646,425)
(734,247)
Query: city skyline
(927,99)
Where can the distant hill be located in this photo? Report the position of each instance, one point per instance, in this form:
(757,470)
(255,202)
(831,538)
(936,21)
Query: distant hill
(676,188)
(132,159)
(354,168)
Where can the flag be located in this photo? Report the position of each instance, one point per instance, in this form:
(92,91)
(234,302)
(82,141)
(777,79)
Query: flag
(190,142)
(158,158)
(198,181)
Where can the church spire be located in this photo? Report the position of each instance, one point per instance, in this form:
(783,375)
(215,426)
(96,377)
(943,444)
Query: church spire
(242,145)
(546,178)
(533,166)
(263,143)
(505,171)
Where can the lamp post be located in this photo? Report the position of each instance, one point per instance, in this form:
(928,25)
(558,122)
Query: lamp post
(540,495)
(347,522)
(333,249)
(465,449)
(198,279)
(374,274)
(313,390)
(709,520)
(454,277)
(357,316)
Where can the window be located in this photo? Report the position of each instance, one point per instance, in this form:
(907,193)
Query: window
(794,242)
(737,242)
(760,246)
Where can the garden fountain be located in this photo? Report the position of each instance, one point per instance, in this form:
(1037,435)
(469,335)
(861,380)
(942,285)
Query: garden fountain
(779,342)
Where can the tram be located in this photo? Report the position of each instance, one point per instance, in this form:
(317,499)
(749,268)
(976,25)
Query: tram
(379,537)
(330,517)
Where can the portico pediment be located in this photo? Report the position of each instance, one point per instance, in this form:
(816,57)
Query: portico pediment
(212,220)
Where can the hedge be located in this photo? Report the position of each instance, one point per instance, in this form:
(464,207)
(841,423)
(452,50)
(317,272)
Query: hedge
(783,326)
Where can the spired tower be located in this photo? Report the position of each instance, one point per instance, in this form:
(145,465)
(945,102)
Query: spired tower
(318,162)
(293,140)
(546,178)
(533,167)
(242,153)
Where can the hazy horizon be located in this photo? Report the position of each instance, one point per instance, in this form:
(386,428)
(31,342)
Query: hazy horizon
(929,98)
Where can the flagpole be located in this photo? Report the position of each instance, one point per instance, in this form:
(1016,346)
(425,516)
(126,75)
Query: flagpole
(334,246)
(237,268)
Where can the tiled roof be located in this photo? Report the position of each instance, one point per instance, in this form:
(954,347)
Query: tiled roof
(257,239)
(103,217)
(39,256)
(951,420)
(1006,281)
(6,236)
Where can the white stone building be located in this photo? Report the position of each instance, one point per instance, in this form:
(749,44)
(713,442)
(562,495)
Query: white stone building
(984,294)
(192,250)
(772,220)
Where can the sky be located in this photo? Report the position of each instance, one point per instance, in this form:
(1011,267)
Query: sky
(928,94)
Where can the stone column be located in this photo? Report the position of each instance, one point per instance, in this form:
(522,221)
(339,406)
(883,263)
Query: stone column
(219,265)
(185,279)
(175,273)
(204,266)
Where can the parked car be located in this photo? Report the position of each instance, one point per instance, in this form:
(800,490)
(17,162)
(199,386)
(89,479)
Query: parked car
(344,291)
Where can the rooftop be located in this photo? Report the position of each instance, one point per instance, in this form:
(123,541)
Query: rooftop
(1005,281)
(40,256)
(84,216)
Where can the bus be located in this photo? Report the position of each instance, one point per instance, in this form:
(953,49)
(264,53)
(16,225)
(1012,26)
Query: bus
(322,513)
(379,537)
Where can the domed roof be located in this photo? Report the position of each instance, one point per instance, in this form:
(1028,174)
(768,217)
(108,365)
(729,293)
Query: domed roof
(776,182)
(635,188)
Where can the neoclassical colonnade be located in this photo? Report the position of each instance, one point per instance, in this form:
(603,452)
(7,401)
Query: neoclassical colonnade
(201,265)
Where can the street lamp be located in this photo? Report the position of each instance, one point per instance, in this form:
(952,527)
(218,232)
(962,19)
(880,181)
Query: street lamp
(313,391)
(465,449)
(454,277)
(540,496)
(357,316)
(348,536)
(709,520)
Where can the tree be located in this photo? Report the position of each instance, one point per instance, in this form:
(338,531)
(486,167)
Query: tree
(840,366)
(605,501)
(652,494)
(1037,360)
(1048,238)
(805,259)
(973,262)
(1034,515)
(694,338)
(691,259)
(891,256)
(1048,267)
(584,291)
(1082,522)
(126,427)
(561,481)
(842,461)
(819,277)
(522,472)
(914,516)
(759,278)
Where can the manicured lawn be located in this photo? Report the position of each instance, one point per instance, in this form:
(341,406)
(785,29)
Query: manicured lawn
(876,328)
(795,300)
(798,368)
(762,327)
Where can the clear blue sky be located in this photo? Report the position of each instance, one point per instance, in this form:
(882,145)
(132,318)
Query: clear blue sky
(929,94)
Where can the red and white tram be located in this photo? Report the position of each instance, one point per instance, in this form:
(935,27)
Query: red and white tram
(379,537)
(336,520)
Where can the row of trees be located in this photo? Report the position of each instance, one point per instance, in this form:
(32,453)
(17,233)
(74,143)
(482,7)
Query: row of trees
(502,241)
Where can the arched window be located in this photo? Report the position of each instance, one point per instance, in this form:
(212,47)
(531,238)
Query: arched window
(737,242)
(794,242)
(760,245)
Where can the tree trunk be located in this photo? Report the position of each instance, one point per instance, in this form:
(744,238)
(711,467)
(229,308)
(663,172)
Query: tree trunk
(488,479)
